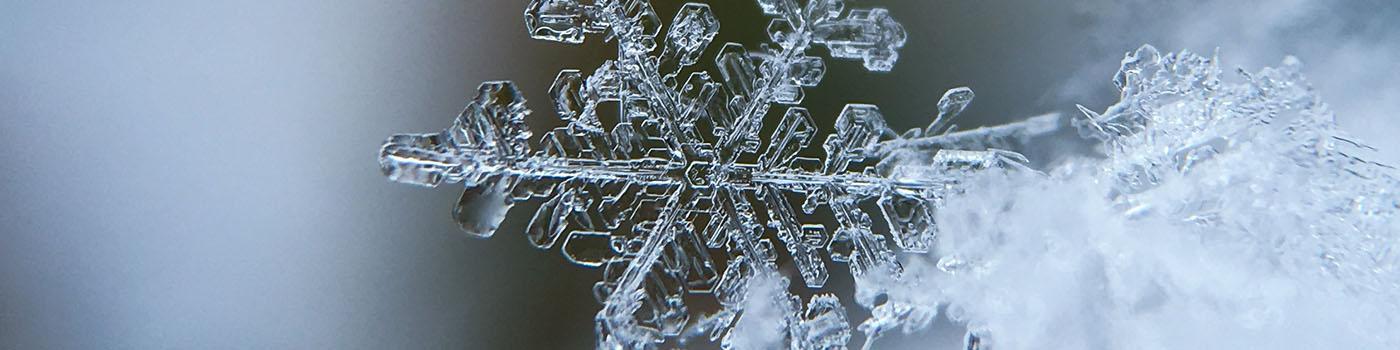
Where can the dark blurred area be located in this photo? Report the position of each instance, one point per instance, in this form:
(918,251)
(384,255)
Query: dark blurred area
(203,175)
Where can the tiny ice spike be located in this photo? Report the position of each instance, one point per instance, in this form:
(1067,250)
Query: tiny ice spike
(682,195)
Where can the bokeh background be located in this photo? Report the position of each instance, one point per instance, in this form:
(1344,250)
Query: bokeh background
(202,174)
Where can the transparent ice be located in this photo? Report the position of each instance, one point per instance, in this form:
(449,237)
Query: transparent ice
(1222,214)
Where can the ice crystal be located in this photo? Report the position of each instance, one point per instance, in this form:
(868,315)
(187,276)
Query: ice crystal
(1224,211)
(681,195)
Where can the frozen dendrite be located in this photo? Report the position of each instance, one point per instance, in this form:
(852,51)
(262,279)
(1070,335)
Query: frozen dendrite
(682,195)
(1222,214)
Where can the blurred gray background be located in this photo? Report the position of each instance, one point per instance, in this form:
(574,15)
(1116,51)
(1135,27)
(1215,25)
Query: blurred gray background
(199,174)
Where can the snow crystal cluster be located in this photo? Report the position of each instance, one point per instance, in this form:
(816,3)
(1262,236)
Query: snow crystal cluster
(1221,214)
(1228,212)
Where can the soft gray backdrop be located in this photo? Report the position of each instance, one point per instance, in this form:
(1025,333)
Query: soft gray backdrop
(199,174)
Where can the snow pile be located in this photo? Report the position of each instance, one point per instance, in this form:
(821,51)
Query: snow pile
(1227,213)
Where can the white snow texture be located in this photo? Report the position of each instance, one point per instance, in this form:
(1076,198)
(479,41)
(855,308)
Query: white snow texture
(1228,212)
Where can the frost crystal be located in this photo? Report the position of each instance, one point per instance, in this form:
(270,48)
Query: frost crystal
(681,195)
(1223,213)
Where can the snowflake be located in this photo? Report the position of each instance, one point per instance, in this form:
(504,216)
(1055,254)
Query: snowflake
(682,196)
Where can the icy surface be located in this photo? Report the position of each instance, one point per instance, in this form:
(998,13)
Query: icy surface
(1225,212)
